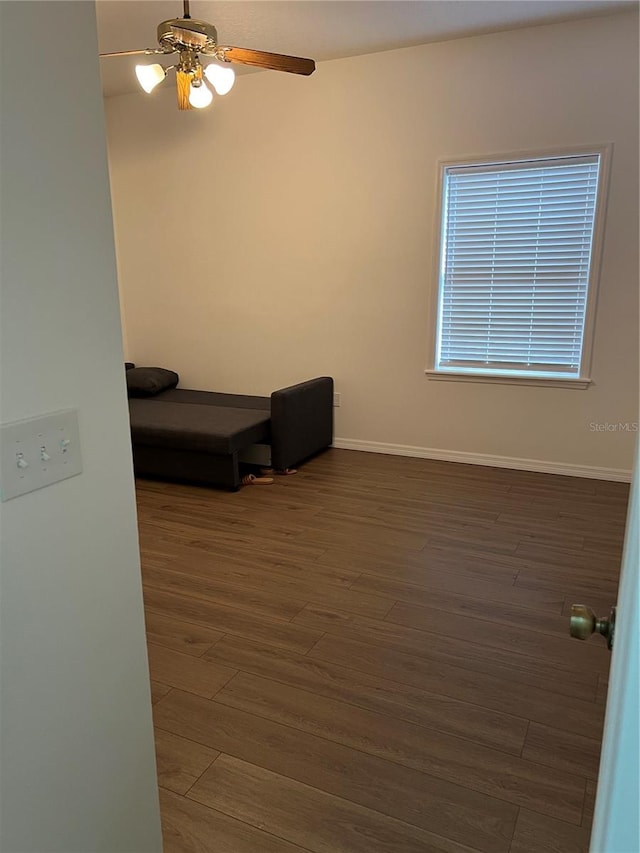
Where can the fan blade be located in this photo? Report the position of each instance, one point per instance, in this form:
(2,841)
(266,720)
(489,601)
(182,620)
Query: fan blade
(183,87)
(262,59)
(149,51)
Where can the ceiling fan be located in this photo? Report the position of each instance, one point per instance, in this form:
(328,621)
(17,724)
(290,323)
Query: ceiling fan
(191,39)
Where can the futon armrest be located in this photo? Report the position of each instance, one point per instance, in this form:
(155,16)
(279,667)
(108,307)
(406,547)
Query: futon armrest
(301,421)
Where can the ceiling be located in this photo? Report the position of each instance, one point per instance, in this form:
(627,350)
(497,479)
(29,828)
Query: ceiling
(324,29)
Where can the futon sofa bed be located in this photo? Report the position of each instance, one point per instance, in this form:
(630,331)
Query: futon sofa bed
(203,436)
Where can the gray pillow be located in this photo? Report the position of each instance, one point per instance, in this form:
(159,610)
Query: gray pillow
(147,381)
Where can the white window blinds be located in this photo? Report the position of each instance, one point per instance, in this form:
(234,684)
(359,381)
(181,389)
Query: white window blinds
(515,265)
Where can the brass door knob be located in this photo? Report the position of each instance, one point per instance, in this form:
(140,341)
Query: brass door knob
(584,623)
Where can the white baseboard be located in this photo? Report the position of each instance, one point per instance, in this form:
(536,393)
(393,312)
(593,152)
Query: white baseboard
(568,469)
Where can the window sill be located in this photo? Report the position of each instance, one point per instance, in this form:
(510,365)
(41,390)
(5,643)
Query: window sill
(500,379)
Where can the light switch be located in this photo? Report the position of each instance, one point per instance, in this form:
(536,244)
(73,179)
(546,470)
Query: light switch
(38,452)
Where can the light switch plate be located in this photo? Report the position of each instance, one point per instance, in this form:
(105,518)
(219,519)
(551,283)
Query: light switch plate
(38,452)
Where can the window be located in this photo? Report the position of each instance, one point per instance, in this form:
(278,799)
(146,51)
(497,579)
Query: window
(517,268)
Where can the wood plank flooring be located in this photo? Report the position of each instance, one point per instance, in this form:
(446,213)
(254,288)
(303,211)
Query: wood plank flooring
(372,656)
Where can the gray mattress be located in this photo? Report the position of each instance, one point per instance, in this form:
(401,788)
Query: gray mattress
(212,398)
(200,426)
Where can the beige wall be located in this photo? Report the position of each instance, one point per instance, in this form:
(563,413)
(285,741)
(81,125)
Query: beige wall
(77,768)
(289,230)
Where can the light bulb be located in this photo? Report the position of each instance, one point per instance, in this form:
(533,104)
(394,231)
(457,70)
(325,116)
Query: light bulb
(221,78)
(200,96)
(150,75)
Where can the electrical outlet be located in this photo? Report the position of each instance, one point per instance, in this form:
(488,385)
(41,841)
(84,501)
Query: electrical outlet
(336,399)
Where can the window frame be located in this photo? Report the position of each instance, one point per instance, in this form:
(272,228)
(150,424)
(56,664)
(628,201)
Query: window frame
(583,380)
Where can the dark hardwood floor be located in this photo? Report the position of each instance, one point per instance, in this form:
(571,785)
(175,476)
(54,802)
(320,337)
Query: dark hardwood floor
(372,656)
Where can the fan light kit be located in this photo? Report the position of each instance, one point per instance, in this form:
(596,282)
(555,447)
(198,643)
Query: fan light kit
(191,39)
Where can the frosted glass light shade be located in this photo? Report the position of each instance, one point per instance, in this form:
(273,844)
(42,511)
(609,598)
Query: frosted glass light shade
(200,96)
(149,76)
(220,77)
